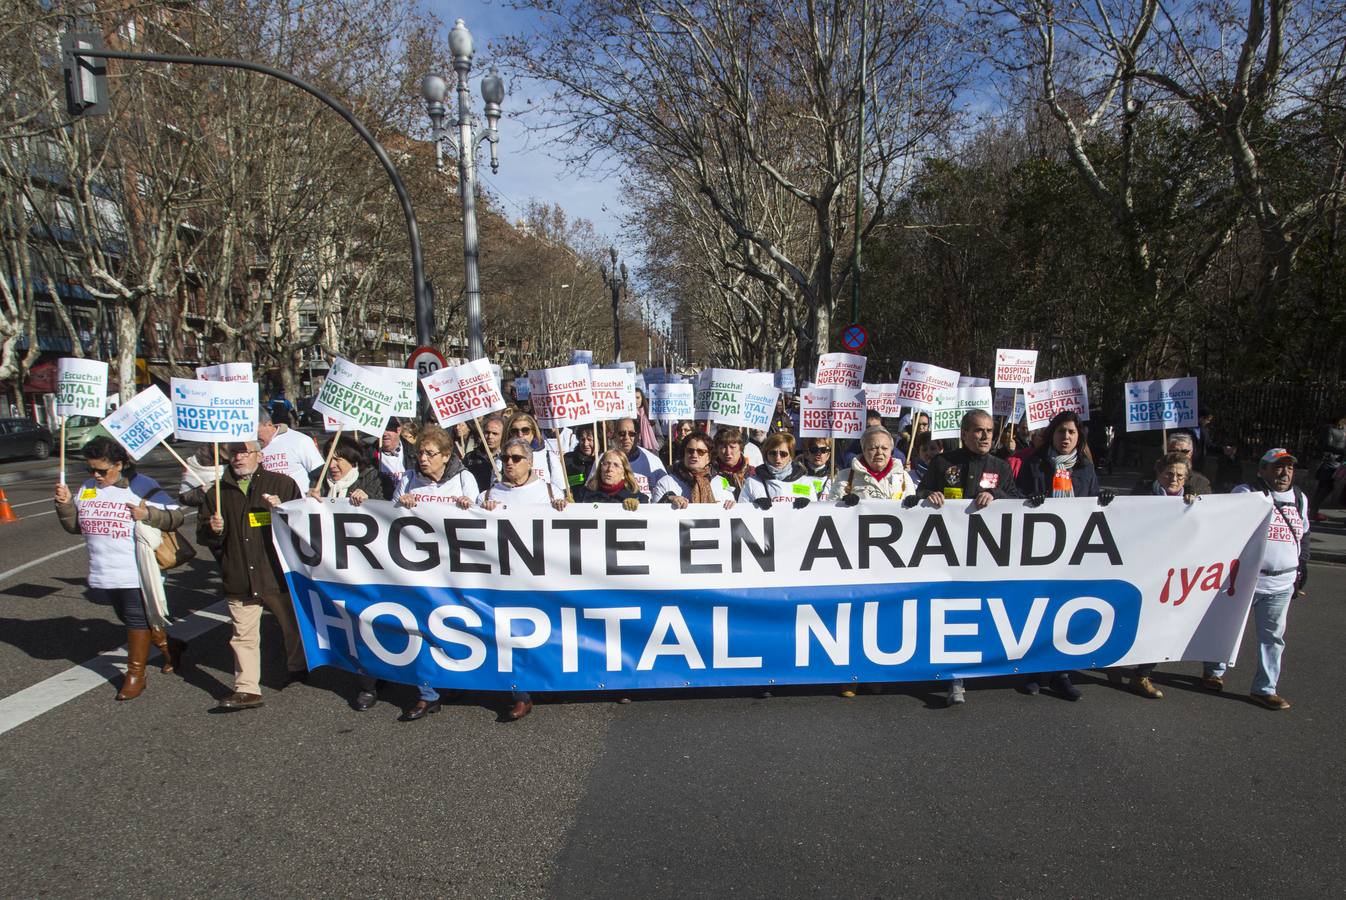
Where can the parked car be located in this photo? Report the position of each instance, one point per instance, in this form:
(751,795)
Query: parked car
(24,437)
(79,430)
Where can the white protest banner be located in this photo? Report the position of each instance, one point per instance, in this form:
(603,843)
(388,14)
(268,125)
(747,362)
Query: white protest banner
(522,390)
(142,422)
(671,402)
(831,412)
(358,397)
(1015,368)
(214,411)
(460,393)
(404,380)
(614,394)
(785,380)
(655,375)
(719,393)
(882,398)
(1008,402)
(1163,403)
(1065,586)
(967,381)
(641,384)
(759,405)
(581,357)
(561,396)
(951,406)
(81,387)
(235,371)
(920,382)
(1047,398)
(845,370)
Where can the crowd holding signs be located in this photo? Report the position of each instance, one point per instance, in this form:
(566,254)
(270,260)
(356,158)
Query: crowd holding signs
(841,591)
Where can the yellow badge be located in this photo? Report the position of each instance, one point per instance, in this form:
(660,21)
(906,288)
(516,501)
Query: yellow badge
(259,519)
(88,494)
(953,493)
(803,489)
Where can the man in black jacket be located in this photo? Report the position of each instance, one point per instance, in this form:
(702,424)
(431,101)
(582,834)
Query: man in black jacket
(970,472)
(239,532)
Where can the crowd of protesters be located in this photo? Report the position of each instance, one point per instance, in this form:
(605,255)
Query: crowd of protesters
(505,461)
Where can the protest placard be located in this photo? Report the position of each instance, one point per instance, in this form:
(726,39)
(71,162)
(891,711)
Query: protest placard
(614,394)
(581,358)
(460,393)
(719,393)
(561,396)
(1160,404)
(1008,402)
(214,411)
(1047,398)
(235,371)
(142,422)
(522,390)
(921,381)
(756,410)
(785,380)
(967,381)
(846,370)
(1015,368)
(882,398)
(655,375)
(360,398)
(828,412)
(671,402)
(81,387)
(950,407)
(404,380)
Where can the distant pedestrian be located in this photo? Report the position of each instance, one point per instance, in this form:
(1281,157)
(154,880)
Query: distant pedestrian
(1181,442)
(1333,444)
(1284,571)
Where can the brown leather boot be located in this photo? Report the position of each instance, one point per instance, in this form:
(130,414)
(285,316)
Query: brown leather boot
(170,648)
(137,652)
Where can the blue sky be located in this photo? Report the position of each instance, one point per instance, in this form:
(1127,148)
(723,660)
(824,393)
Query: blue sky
(526,168)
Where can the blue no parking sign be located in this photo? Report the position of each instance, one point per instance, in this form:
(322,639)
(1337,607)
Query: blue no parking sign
(855,337)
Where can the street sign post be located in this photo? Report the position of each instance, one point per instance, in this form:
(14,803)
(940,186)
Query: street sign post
(426,361)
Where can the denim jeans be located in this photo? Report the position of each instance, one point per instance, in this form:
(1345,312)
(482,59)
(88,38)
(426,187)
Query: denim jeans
(1269,615)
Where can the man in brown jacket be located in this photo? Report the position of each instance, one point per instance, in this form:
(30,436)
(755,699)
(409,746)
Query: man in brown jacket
(240,534)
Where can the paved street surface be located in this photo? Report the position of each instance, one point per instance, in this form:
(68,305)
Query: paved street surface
(806,794)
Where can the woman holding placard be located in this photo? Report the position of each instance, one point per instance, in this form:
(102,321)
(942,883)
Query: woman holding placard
(105,511)
(349,476)
(693,480)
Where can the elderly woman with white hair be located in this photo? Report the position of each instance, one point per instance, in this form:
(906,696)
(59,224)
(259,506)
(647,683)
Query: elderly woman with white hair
(876,474)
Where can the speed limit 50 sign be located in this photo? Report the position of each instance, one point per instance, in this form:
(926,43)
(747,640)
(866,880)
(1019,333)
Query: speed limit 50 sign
(426,361)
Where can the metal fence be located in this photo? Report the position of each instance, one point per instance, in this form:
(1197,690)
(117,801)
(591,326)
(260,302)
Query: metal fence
(1287,414)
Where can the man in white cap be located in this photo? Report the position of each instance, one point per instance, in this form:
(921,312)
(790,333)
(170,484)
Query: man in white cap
(1284,571)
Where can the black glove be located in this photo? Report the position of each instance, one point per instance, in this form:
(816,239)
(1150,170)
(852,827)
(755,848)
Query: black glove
(1036,500)
(762,503)
(910,502)
(850,499)
(1105,497)
(1301,579)
(800,502)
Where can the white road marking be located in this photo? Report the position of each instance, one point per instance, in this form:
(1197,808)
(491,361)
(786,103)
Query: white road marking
(30,502)
(45,696)
(39,561)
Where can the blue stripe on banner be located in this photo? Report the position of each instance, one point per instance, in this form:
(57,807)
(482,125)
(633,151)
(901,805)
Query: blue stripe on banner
(606,639)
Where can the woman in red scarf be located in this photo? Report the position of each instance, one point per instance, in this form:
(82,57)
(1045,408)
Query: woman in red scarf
(612,482)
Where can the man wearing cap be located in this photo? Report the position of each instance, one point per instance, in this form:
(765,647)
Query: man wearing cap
(1284,570)
(289,452)
(239,531)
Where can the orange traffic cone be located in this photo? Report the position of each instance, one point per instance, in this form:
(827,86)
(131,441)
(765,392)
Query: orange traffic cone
(6,514)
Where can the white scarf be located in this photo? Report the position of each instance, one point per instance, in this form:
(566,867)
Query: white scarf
(338,488)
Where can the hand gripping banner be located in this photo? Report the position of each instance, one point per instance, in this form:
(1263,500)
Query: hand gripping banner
(596,597)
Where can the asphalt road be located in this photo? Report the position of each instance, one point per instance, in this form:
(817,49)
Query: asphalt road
(720,793)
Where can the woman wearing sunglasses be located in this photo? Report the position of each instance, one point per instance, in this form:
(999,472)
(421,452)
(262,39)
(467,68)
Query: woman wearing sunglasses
(546,463)
(519,487)
(440,476)
(815,458)
(692,479)
(106,510)
(779,479)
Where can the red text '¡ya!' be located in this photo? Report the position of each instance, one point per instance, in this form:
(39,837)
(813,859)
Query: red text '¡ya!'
(1213,580)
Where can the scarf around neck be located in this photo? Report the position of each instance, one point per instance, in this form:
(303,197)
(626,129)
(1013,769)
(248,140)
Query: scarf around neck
(341,487)
(611,489)
(699,483)
(1060,463)
(880,474)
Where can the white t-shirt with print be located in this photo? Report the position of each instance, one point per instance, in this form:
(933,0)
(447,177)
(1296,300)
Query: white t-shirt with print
(109,529)
(530,493)
(292,453)
(424,490)
(1284,538)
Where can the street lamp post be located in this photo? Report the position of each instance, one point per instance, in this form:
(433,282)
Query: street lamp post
(618,287)
(434,90)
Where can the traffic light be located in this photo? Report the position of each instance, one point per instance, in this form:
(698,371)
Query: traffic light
(86,89)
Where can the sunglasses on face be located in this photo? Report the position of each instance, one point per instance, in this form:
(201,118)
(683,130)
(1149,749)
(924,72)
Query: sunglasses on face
(95,470)
(519,431)
(515,458)
(428,453)
(696,451)
(817,450)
